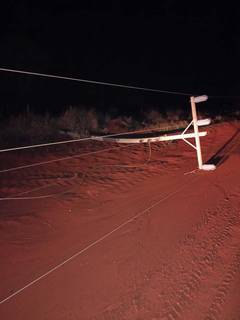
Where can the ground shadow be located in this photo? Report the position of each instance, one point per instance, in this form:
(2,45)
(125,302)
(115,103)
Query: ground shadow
(224,152)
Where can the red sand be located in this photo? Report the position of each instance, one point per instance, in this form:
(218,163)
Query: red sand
(180,259)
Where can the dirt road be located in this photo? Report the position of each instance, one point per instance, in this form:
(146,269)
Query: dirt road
(122,238)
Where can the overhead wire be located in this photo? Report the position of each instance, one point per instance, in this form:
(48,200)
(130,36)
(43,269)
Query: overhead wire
(98,241)
(79,139)
(111,84)
(45,196)
(60,159)
(44,144)
(89,82)
(79,155)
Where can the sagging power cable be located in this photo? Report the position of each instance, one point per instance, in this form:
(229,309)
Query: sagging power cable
(79,139)
(20,196)
(103,83)
(60,159)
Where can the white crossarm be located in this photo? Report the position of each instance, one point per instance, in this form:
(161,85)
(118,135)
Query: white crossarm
(152,139)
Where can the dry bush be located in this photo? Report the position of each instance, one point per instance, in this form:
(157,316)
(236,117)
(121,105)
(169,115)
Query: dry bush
(174,115)
(172,120)
(154,117)
(80,121)
(116,125)
(28,128)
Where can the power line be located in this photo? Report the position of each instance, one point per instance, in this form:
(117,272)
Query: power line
(44,144)
(60,159)
(18,196)
(99,240)
(74,156)
(77,140)
(110,84)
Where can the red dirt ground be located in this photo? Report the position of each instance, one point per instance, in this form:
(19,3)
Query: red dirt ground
(179,258)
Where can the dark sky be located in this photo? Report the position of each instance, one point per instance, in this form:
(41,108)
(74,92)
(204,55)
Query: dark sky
(176,45)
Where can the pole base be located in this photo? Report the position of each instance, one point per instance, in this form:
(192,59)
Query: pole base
(208,167)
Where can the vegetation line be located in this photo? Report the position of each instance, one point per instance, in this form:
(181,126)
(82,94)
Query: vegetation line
(80,139)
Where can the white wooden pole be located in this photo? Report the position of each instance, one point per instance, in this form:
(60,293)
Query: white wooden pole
(184,136)
(197,139)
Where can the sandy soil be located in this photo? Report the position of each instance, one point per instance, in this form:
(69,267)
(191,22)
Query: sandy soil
(151,241)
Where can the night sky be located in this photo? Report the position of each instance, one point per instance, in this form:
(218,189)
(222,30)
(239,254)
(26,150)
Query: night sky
(176,45)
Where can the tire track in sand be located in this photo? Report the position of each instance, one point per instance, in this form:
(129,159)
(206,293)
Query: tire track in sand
(217,235)
(217,304)
(188,292)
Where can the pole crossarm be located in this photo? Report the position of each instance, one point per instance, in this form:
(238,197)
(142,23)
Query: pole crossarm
(152,139)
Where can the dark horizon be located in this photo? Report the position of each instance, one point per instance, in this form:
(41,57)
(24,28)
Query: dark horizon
(178,47)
